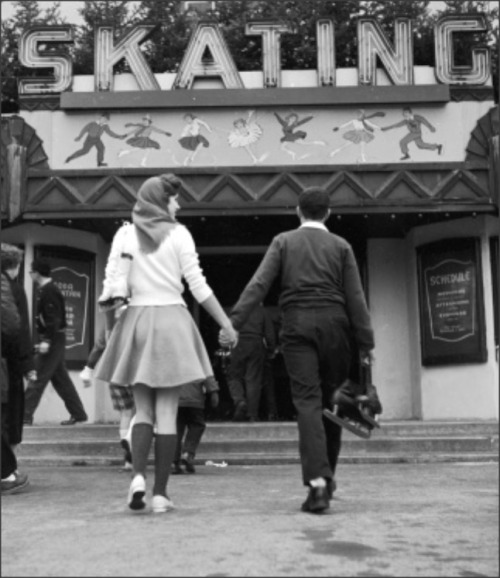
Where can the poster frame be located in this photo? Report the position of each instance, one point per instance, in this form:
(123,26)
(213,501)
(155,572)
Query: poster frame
(72,254)
(434,352)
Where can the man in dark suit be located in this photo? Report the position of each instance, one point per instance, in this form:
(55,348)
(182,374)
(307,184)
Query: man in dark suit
(245,377)
(50,363)
(323,311)
(22,362)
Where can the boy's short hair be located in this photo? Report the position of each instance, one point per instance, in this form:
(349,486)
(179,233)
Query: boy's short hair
(41,266)
(11,256)
(314,203)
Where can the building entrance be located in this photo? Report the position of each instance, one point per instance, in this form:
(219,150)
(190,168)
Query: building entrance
(228,270)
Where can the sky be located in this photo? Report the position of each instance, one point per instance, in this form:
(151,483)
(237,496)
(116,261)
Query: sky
(68,9)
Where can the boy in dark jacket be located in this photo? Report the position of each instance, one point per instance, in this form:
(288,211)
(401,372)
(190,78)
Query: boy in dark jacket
(191,420)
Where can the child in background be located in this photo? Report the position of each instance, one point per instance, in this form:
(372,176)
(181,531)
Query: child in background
(191,419)
(121,397)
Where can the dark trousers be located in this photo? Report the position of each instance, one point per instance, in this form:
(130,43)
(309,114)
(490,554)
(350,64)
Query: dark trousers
(317,353)
(245,373)
(51,367)
(87,146)
(97,350)
(268,389)
(13,414)
(192,421)
(417,138)
(9,461)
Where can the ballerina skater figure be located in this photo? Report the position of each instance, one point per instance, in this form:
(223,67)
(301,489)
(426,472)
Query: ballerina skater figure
(245,134)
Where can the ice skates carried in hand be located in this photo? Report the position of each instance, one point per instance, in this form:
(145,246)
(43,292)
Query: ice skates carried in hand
(356,407)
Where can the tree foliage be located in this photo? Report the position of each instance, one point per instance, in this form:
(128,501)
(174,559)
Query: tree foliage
(166,47)
(113,13)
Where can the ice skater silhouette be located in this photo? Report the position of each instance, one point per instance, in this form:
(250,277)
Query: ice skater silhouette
(289,125)
(413,123)
(94,131)
(141,137)
(246,133)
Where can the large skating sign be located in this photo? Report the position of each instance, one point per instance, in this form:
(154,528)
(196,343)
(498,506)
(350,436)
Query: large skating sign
(396,58)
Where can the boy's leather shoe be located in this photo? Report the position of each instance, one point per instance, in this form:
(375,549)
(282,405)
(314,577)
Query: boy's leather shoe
(331,486)
(72,421)
(187,461)
(176,469)
(317,501)
(18,484)
(240,411)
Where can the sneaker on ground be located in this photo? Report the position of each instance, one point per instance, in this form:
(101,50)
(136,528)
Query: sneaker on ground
(15,483)
(86,374)
(160,504)
(136,493)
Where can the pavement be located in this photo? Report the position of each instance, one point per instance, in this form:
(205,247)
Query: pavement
(433,519)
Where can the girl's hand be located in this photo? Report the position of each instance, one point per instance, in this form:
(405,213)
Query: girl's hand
(228,336)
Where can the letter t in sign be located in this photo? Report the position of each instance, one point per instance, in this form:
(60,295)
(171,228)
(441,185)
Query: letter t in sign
(271,47)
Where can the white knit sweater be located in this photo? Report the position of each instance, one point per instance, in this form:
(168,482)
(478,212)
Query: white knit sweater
(156,278)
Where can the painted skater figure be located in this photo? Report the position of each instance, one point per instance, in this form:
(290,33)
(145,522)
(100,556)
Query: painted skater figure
(94,131)
(360,134)
(191,137)
(141,137)
(413,123)
(289,125)
(246,133)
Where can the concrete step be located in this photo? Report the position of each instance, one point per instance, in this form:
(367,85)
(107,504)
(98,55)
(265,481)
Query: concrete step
(277,442)
(273,430)
(221,460)
(230,447)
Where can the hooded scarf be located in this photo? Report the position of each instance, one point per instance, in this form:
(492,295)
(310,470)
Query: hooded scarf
(150,215)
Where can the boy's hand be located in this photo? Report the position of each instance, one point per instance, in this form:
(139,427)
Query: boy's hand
(214,399)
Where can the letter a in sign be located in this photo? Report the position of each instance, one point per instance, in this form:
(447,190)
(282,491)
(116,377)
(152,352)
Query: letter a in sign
(207,36)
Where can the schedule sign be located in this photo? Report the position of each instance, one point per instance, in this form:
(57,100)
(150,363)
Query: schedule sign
(451,302)
(450,294)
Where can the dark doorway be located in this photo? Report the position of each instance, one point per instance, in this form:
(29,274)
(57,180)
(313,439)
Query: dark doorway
(228,270)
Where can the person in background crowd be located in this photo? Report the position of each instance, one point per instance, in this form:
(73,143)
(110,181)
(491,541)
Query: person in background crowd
(121,397)
(22,364)
(13,481)
(246,366)
(155,346)
(321,301)
(51,350)
(191,421)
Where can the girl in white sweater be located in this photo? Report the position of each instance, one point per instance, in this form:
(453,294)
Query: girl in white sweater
(155,346)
